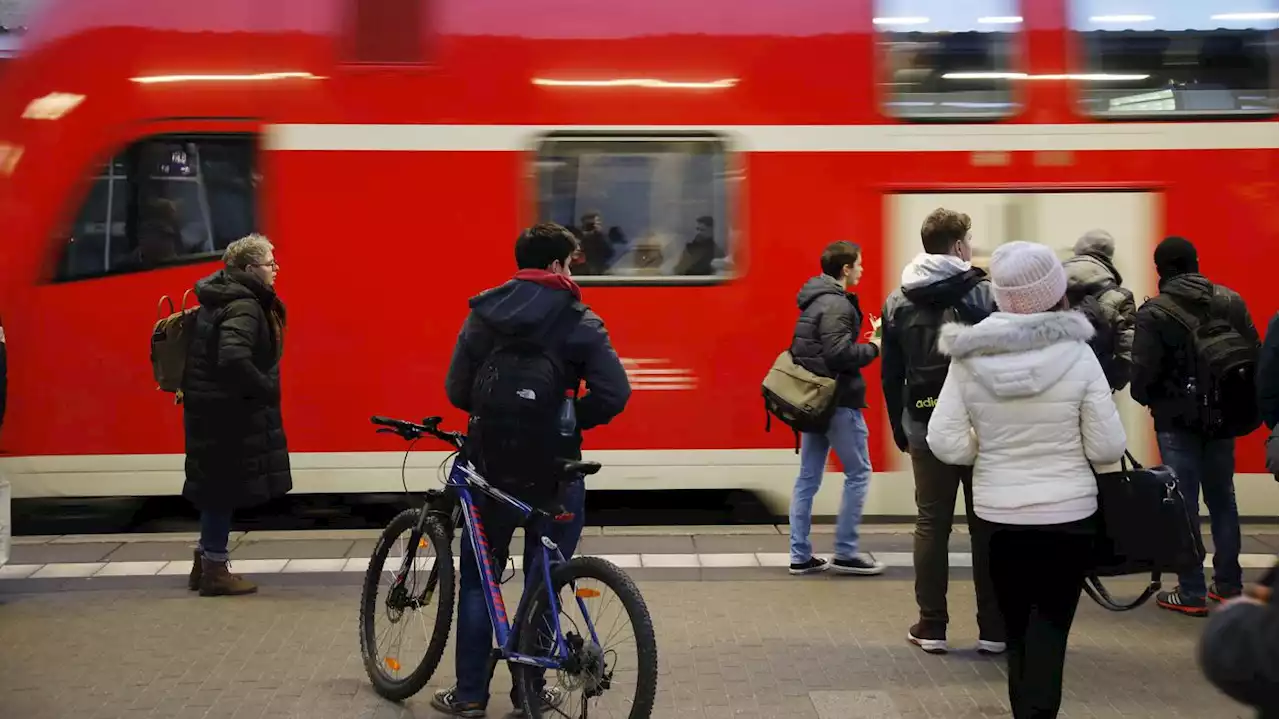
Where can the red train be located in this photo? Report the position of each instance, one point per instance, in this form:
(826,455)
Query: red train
(393,148)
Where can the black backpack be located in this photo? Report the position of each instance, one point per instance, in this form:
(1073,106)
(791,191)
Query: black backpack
(926,366)
(1103,342)
(513,437)
(1218,385)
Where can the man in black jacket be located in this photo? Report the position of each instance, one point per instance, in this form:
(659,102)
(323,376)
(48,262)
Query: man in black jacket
(1163,364)
(526,306)
(938,286)
(826,343)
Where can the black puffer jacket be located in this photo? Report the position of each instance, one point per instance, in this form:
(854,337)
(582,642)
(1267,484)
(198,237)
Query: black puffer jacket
(1162,348)
(237,455)
(826,338)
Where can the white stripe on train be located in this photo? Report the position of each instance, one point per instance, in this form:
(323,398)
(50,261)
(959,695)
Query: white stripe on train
(796,138)
(770,473)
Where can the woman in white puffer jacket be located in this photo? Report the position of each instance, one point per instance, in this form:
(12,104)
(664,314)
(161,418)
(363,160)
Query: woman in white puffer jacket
(1027,404)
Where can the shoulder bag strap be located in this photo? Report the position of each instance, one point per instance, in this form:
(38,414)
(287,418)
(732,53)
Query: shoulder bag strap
(1098,593)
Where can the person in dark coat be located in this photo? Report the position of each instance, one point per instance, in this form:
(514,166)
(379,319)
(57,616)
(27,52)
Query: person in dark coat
(237,455)
(529,306)
(826,343)
(1162,363)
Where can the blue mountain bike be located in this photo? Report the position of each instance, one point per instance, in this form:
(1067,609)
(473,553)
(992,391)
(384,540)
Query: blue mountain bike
(553,630)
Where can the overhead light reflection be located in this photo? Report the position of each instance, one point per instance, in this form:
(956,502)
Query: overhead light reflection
(52,106)
(1246,16)
(1001,20)
(257,77)
(9,156)
(1085,77)
(899,20)
(639,82)
(1122,18)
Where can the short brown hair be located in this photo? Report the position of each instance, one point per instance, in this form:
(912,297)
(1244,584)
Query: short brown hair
(837,255)
(942,229)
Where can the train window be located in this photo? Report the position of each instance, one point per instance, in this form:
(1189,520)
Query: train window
(163,200)
(948,60)
(1144,58)
(644,209)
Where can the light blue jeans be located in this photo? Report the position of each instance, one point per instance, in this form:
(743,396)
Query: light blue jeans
(848,436)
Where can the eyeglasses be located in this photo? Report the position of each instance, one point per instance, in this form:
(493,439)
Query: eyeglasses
(273,265)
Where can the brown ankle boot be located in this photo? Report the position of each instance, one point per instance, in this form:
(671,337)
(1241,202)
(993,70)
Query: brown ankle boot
(216,581)
(193,581)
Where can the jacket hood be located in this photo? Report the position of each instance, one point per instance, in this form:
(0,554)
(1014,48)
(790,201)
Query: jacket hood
(1018,355)
(818,286)
(926,269)
(1191,287)
(945,291)
(521,307)
(1090,273)
(226,285)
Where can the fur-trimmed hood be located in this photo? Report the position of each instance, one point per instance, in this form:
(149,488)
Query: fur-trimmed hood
(1019,355)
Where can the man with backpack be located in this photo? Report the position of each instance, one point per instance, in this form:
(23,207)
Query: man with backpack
(825,343)
(522,354)
(1195,354)
(1093,288)
(938,286)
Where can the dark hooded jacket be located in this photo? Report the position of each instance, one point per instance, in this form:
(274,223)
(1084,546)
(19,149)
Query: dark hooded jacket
(929,281)
(1162,351)
(237,455)
(528,307)
(825,341)
(1268,379)
(1094,275)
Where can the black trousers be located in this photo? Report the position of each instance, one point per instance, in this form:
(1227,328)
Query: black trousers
(1038,572)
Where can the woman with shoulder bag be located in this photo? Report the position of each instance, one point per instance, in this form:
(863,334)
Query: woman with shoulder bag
(1027,404)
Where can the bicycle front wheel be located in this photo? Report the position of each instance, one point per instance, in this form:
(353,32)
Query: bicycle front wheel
(609,667)
(406,602)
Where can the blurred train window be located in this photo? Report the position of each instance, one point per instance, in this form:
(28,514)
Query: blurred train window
(1144,58)
(942,59)
(645,209)
(161,201)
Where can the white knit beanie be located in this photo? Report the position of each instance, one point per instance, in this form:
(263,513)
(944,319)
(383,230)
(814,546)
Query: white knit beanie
(1027,278)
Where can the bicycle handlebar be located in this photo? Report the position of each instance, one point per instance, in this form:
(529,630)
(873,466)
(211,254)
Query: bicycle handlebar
(411,431)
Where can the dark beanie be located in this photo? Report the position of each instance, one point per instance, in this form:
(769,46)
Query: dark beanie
(1175,256)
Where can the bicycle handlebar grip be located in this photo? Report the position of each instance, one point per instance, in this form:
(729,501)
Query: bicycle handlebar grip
(385,421)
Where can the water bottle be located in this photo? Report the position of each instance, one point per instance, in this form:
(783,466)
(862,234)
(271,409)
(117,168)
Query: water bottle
(568,418)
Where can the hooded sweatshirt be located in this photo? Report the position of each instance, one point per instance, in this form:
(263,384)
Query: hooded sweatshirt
(1026,403)
(528,306)
(928,281)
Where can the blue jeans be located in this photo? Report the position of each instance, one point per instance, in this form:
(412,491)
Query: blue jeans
(474,642)
(215,533)
(848,435)
(1208,465)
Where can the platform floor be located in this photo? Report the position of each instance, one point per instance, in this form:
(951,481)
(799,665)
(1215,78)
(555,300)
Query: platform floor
(734,641)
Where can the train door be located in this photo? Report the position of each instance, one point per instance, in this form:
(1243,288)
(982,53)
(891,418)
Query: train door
(1056,219)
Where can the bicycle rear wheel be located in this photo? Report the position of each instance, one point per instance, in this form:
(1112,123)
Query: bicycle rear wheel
(612,681)
(406,602)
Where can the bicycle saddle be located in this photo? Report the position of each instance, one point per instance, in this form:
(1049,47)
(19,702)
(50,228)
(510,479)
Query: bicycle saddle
(572,466)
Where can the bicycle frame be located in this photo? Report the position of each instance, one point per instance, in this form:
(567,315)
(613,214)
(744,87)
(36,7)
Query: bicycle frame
(462,480)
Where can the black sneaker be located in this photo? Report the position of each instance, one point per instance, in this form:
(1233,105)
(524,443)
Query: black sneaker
(552,698)
(812,566)
(861,564)
(446,702)
(1176,601)
(932,638)
(1219,593)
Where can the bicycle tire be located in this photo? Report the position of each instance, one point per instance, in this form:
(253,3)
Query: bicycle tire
(369,605)
(637,612)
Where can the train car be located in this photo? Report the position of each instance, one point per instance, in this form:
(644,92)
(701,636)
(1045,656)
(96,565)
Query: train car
(392,149)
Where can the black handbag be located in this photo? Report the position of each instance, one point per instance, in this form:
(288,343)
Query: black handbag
(1144,527)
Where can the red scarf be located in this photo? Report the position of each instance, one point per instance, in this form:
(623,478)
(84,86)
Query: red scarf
(550,279)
